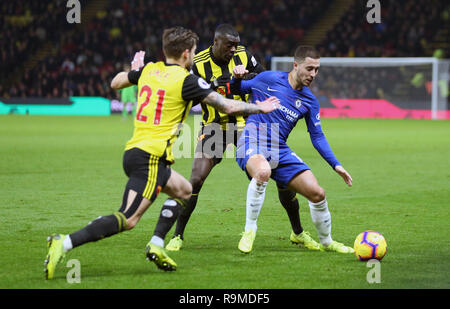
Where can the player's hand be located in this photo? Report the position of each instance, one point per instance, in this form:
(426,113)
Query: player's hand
(239,71)
(344,174)
(268,105)
(138,61)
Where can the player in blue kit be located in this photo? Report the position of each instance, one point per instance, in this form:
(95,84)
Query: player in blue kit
(262,151)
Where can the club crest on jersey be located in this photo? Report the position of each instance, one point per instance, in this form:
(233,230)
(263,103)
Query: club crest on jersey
(317,123)
(298,103)
(203,84)
(224,90)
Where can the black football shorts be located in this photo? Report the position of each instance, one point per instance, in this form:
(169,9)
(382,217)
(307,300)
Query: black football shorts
(147,173)
(213,141)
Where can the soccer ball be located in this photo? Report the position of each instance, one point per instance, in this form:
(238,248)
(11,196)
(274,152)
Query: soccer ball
(370,245)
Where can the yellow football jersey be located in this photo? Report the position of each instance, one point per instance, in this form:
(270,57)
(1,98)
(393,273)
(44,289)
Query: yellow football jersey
(207,67)
(165,95)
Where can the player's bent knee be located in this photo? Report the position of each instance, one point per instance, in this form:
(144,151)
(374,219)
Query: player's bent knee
(186,195)
(318,195)
(263,174)
(188,190)
(184,192)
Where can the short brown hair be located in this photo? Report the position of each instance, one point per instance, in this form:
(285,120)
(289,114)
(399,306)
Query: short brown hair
(176,40)
(304,51)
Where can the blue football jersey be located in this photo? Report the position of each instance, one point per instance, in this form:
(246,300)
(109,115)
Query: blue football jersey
(294,105)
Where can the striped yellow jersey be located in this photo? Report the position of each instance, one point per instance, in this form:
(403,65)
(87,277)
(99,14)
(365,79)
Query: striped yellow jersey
(207,67)
(165,95)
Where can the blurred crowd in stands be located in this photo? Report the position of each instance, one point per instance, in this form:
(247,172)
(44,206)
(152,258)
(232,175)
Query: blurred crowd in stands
(86,56)
(26,26)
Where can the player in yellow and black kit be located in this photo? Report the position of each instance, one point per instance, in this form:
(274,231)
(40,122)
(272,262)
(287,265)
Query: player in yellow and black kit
(215,64)
(165,90)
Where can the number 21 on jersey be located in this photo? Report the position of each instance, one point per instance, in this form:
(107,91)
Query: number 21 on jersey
(159,104)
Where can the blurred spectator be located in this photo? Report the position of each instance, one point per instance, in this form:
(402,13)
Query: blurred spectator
(405,30)
(88,57)
(86,60)
(27,26)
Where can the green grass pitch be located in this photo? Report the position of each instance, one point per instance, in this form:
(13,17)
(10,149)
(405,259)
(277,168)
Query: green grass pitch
(59,173)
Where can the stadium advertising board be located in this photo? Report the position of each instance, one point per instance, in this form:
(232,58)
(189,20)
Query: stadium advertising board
(77,106)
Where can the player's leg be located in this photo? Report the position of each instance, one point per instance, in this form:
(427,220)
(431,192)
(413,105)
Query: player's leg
(259,171)
(289,166)
(251,154)
(141,190)
(201,167)
(147,175)
(208,153)
(179,190)
(133,207)
(104,226)
(288,199)
(307,185)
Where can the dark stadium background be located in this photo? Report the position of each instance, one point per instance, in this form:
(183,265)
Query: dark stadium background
(44,56)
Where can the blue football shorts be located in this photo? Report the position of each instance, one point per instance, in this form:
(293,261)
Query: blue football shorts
(284,162)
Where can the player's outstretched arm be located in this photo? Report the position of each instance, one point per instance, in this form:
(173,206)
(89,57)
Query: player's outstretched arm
(240,86)
(121,80)
(234,107)
(344,174)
